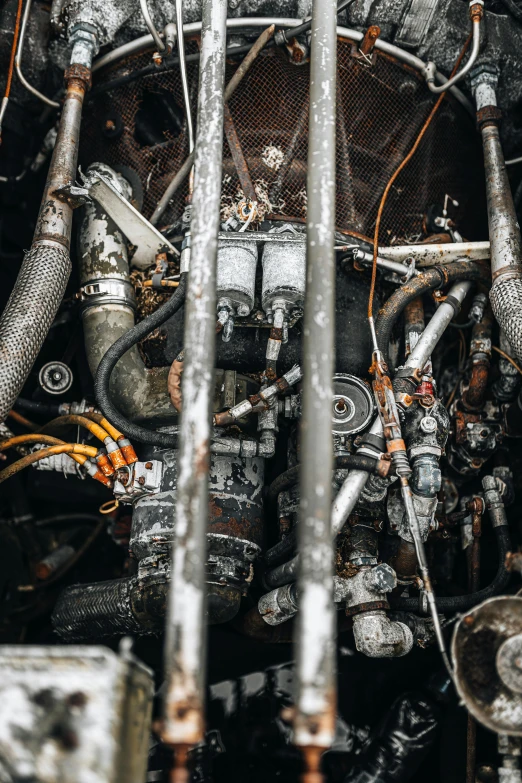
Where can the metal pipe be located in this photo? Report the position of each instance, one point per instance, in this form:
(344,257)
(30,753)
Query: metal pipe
(403,270)
(476,12)
(445,313)
(185,641)
(151,28)
(432,255)
(146,41)
(315,654)
(18,61)
(351,488)
(45,270)
(504,231)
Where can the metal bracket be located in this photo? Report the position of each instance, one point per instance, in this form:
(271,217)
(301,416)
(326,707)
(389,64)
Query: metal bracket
(147,240)
(73,195)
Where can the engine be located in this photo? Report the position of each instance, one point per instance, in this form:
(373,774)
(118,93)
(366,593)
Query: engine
(260,391)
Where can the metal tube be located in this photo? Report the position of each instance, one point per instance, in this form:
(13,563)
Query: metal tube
(432,255)
(183,73)
(351,489)
(430,67)
(504,233)
(150,25)
(436,327)
(18,61)
(185,641)
(146,42)
(315,653)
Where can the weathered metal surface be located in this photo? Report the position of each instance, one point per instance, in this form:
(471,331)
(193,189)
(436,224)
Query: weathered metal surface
(482,665)
(73,713)
(315,648)
(186,627)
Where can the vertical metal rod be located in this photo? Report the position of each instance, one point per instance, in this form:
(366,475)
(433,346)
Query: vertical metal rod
(185,643)
(315,639)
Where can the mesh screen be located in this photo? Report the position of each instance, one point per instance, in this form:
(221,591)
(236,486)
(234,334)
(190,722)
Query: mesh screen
(380,111)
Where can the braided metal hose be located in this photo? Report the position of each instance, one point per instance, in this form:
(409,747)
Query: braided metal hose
(92,611)
(506,302)
(28,316)
(45,270)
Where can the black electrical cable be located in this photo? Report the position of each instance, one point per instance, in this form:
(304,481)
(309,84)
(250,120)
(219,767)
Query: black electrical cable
(427,280)
(111,359)
(462,603)
(170,63)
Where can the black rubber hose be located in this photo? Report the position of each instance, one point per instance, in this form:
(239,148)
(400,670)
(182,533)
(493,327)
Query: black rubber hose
(428,280)
(43,408)
(462,603)
(111,359)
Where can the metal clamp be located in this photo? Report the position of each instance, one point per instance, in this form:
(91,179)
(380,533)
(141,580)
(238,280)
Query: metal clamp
(107,290)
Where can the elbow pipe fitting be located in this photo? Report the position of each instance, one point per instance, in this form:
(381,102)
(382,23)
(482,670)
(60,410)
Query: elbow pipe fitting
(108,305)
(476,12)
(376,636)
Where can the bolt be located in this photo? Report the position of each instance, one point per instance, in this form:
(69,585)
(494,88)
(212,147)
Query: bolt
(428,425)
(148,465)
(110,126)
(141,480)
(469,620)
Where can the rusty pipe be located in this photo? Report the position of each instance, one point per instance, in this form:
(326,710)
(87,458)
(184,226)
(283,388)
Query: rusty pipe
(474,397)
(504,232)
(315,636)
(45,270)
(185,642)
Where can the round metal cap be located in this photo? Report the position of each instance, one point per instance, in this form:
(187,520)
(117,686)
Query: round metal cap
(352,406)
(55,378)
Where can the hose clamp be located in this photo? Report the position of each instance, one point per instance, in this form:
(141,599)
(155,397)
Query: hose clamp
(107,291)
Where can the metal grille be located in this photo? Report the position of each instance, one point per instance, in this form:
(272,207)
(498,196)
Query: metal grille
(381,108)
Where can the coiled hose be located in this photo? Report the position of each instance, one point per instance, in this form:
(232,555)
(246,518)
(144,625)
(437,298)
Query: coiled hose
(112,357)
(461,603)
(28,316)
(428,280)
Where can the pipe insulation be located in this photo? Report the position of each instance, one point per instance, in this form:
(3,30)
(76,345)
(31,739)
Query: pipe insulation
(315,636)
(45,270)
(185,641)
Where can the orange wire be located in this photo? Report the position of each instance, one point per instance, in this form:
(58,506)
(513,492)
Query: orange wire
(398,171)
(13,49)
